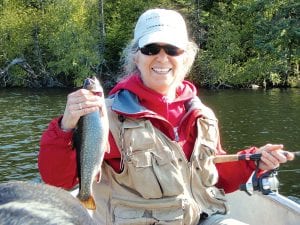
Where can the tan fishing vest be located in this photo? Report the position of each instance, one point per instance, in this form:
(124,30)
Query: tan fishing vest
(158,185)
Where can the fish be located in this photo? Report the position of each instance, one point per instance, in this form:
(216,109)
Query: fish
(90,141)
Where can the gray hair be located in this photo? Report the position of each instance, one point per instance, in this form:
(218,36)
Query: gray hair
(127,59)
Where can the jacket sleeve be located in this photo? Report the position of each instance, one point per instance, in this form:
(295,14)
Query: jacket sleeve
(57,158)
(233,174)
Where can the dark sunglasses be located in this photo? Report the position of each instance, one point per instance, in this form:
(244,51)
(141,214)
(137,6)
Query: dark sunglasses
(154,49)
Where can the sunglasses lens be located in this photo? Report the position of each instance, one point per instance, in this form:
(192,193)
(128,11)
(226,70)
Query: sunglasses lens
(154,49)
(151,49)
(172,50)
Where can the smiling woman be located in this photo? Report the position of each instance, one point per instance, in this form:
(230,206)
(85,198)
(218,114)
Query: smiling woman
(159,168)
(163,66)
(160,51)
(160,72)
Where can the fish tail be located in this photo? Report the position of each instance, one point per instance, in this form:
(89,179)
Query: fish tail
(89,203)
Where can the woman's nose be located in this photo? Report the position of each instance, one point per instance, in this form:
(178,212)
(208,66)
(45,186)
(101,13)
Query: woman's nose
(162,55)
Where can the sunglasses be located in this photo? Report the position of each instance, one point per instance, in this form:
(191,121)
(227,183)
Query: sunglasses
(154,49)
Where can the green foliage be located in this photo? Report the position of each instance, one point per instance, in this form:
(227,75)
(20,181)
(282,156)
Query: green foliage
(242,42)
(14,36)
(249,42)
(53,37)
(72,40)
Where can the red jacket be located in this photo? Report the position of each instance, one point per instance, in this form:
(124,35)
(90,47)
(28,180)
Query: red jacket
(57,158)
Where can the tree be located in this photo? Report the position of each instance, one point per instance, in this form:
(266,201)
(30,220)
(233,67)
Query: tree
(248,42)
(55,42)
(278,38)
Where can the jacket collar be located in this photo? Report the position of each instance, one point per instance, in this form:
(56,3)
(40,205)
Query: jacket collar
(125,102)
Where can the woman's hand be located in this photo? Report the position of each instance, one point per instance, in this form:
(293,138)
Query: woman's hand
(79,103)
(272,156)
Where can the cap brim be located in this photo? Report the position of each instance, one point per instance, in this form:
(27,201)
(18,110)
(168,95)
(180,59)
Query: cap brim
(162,37)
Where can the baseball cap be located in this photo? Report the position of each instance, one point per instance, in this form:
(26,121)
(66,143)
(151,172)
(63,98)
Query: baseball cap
(161,25)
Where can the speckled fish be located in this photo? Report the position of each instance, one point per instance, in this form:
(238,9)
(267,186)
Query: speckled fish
(90,141)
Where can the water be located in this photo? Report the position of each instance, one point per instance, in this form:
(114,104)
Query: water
(24,114)
(257,117)
(246,117)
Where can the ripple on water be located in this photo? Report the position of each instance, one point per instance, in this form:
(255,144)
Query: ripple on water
(23,119)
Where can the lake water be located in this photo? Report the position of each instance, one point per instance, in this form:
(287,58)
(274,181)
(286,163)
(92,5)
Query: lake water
(246,117)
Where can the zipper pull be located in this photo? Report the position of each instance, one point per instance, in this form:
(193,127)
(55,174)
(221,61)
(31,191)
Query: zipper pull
(176,134)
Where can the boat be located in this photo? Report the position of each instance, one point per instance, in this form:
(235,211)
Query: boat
(258,201)
(260,209)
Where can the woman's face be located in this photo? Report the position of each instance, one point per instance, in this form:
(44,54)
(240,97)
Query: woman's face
(161,72)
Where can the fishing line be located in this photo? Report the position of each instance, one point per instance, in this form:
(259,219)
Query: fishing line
(295,170)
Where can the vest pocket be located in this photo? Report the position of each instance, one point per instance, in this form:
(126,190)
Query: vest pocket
(167,172)
(157,212)
(143,179)
(218,198)
(153,175)
(124,215)
(208,174)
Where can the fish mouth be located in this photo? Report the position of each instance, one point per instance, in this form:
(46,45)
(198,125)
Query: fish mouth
(93,85)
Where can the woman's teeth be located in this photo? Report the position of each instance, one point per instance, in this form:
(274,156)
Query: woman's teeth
(161,70)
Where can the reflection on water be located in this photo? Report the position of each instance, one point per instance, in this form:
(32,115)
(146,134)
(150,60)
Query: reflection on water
(247,118)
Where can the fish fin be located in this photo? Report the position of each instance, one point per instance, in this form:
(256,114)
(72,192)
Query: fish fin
(89,203)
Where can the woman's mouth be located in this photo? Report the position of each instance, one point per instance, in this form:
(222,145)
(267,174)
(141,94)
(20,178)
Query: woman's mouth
(161,70)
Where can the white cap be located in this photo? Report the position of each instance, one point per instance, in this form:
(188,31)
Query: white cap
(161,26)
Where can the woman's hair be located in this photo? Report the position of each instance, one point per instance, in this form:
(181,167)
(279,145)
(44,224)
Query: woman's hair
(128,64)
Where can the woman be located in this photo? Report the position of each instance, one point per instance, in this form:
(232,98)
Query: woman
(159,168)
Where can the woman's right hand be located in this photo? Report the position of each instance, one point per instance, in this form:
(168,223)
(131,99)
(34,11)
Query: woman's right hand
(79,103)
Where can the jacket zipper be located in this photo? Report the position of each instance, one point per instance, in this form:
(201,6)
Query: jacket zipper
(176,135)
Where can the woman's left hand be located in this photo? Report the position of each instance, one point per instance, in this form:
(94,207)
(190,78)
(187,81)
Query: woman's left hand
(272,155)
